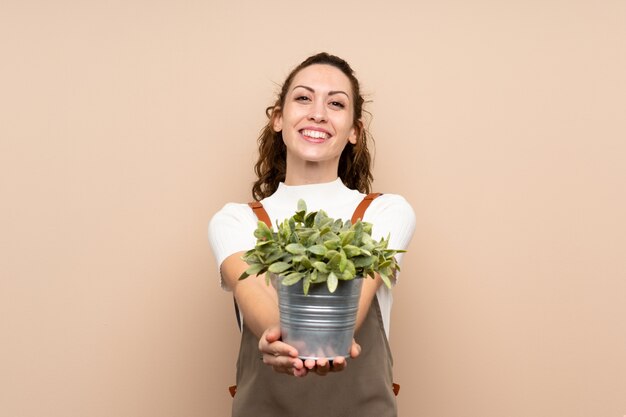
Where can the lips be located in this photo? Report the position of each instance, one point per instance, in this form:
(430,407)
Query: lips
(315,134)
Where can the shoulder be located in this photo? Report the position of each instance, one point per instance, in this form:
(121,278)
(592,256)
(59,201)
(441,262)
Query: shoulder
(391,214)
(391,206)
(232,215)
(231,230)
(235,210)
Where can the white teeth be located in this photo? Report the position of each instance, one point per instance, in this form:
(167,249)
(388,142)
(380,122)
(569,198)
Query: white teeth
(315,134)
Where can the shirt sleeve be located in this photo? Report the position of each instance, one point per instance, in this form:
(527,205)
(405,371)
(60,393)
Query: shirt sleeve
(231,230)
(391,215)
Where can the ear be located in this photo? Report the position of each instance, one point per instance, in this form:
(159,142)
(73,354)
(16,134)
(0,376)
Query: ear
(355,132)
(277,119)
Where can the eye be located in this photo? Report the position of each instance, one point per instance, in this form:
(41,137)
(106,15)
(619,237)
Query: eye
(337,104)
(302,98)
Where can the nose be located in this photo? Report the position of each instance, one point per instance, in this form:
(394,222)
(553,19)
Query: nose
(318,112)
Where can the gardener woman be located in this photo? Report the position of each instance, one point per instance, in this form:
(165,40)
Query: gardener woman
(314,147)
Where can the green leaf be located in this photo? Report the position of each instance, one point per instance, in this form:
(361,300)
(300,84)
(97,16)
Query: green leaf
(312,239)
(363,261)
(306,262)
(346,275)
(318,250)
(251,257)
(351,251)
(346,237)
(274,256)
(255,269)
(263,232)
(261,243)
(321,266)
(334,262)
(309,220)
(343,261)
(292,278)
(384,264)
(306,284)
(358,232)
(279,267)
(295,248)
(332,243)
(299,216)
(319,216)
(332,282)
(351,268)
(301,205)
(385,279)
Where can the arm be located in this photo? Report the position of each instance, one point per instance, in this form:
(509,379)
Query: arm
(257,300)
(258,303)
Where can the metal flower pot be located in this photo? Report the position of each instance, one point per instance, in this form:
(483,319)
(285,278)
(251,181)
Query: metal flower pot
(320,324)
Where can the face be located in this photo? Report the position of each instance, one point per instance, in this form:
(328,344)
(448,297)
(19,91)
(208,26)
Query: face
(317,116)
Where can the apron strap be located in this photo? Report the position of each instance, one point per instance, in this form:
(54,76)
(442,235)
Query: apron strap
(260,212)
(363,205)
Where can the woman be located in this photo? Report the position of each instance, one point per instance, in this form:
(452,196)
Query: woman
(313,147)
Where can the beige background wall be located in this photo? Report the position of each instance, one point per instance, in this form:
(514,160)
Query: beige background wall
(125,125)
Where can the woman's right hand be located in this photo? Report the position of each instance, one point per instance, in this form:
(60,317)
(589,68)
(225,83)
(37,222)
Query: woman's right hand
(279,355)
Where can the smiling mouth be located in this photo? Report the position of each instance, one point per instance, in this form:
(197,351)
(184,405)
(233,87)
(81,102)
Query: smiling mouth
(314,134)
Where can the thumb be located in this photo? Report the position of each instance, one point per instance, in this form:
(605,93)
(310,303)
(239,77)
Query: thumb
(272,334)
(355,350)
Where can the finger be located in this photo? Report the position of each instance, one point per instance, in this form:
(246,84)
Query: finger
(322,366)
(309,363)
(302,372)
(355,349)
(277,348)
(285,365)
(282,361)
(272,334)
(339,364)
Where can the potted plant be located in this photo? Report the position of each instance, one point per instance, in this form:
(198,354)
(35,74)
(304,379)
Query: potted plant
(308,251)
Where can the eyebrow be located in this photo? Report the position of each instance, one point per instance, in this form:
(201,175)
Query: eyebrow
(330,93)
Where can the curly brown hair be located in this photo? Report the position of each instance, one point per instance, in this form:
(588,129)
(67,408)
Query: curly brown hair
(355,160)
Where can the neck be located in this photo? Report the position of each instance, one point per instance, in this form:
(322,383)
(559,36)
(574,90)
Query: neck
(307,172)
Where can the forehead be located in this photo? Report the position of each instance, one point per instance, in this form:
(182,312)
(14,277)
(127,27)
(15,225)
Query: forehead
(322,78)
